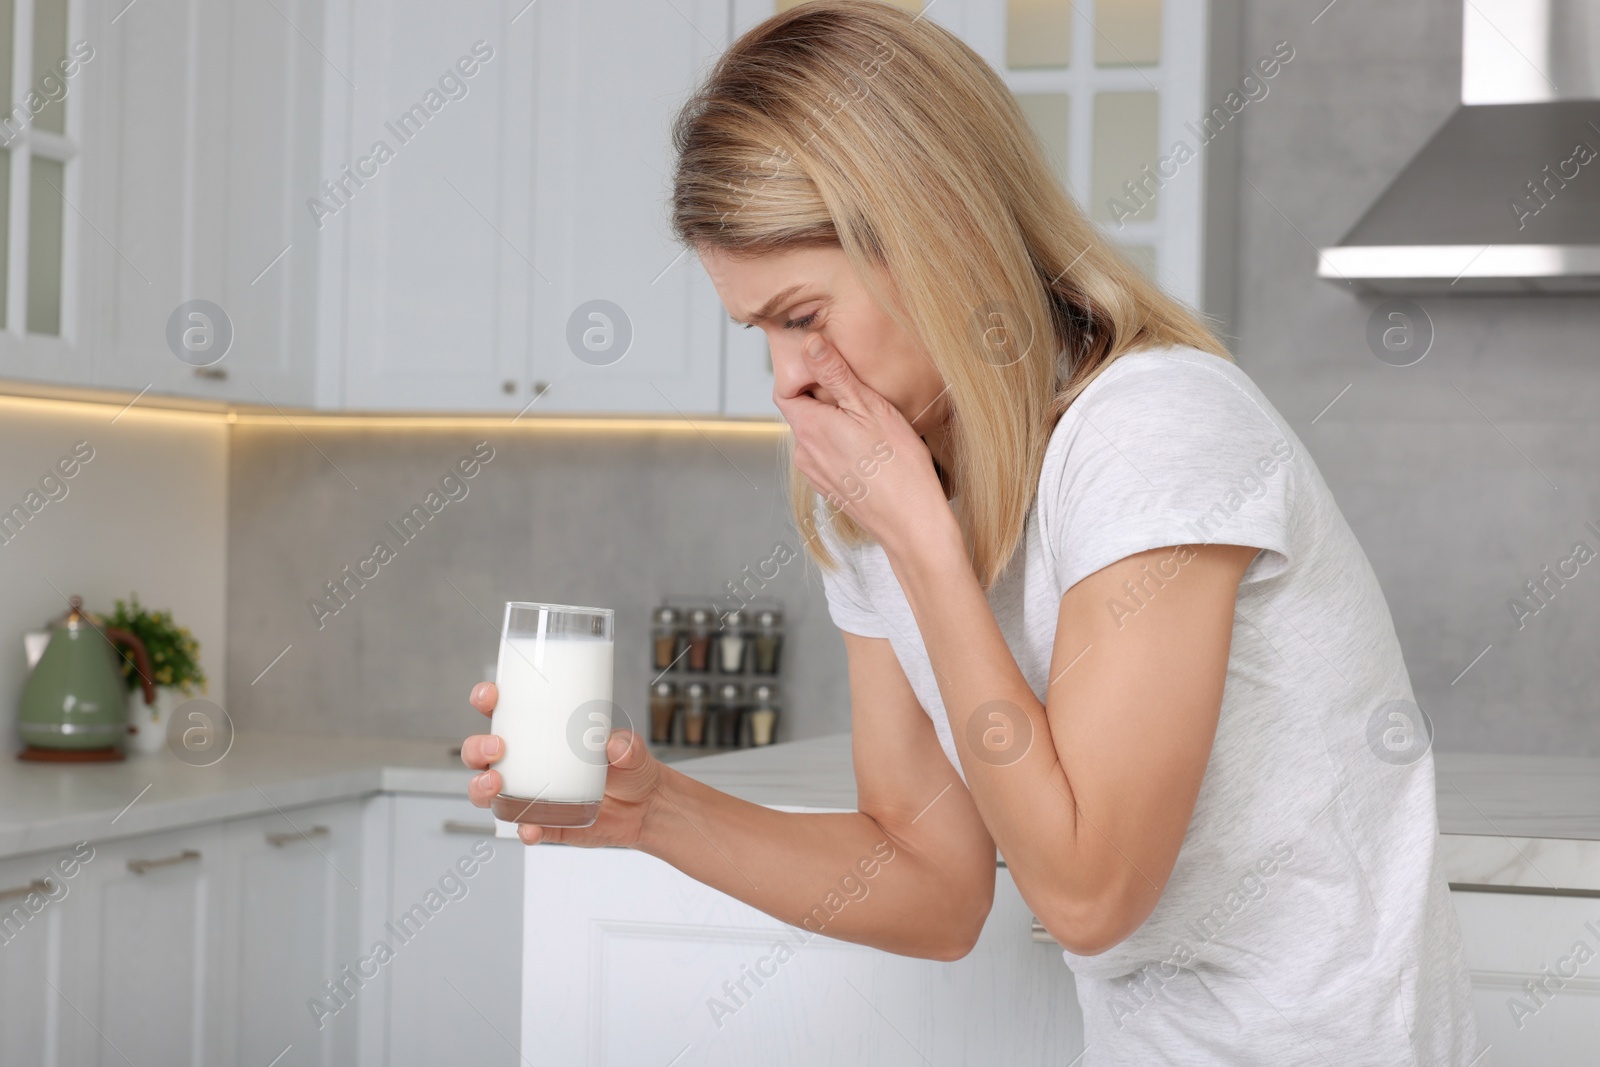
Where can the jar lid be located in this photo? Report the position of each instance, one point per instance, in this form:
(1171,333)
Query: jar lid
(734,617)
(764,692)
(730,691)
(666,615)
(695,690)
(663,689)
(700,617)
(769,618)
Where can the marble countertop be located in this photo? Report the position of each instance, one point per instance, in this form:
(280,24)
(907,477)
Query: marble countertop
(1529,822)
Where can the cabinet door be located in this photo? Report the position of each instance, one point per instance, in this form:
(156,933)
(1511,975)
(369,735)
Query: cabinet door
(42,239)
(290,929)
(436,205)
(626,960)
(37,900)
(624,318)
(134,980)
(457,937)
(1535,985)
(198,161)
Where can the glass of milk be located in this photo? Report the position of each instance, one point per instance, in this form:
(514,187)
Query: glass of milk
(553,713)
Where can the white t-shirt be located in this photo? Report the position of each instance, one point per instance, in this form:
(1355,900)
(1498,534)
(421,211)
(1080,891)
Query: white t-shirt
(1307,920)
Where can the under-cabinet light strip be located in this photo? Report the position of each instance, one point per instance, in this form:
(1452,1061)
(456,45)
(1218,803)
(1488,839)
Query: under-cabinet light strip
(113,410)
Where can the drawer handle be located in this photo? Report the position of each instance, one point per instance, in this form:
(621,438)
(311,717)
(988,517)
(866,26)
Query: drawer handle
(474,829)
(38,885)
(1040,934)
(279,840)
(188,855)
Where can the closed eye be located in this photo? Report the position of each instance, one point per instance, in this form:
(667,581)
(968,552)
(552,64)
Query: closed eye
(792,324)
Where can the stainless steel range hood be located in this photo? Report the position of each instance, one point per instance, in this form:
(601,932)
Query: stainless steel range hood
(1505,197)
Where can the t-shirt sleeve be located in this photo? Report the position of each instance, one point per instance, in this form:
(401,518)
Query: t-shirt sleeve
(849,604)
(1167,451)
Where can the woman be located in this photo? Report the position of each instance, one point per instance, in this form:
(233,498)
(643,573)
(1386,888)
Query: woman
(1100,609)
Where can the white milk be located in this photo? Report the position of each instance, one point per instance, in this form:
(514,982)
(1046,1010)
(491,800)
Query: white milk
(542,683)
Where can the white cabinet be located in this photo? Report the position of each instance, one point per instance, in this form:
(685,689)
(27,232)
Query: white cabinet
(289,915)
(414,206)
(431,198)
(454,917)
(486,214)
(198,946)
(625,320)
(134,957)
(41,900)
(1535,966)
(201,144)
(626,960)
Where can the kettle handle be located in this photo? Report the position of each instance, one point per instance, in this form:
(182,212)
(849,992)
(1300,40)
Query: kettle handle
(141,658)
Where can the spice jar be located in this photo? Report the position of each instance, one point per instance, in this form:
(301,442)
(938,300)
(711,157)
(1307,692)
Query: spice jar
(694,713)
(665,643)
(730,714)
(699,639)
(731,645)
(663,711)
(763,714)
(768,641)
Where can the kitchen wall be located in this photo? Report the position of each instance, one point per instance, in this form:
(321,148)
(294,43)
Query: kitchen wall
(1467,473)
(1463,475)
(146,512)
(614,518)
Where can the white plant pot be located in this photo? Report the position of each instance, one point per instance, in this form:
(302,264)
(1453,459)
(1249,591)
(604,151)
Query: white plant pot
(147,723)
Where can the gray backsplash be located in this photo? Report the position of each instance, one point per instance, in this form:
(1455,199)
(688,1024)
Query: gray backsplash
(611,519)
(1462,475)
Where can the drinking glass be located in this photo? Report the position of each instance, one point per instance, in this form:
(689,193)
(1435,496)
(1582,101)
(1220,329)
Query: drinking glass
(554,713)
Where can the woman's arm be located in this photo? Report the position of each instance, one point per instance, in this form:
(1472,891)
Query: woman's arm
(1091,815)
(912,871)
(930,899)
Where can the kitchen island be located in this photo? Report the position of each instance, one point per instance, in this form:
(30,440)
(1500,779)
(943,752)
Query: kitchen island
(626,960)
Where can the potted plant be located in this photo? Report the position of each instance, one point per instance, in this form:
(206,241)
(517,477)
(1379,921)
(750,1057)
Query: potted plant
(174,661)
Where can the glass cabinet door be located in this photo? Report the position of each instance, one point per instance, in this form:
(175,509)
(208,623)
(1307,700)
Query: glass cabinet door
(1108,86)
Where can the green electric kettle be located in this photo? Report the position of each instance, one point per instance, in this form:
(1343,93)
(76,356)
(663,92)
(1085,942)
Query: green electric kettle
(74,706)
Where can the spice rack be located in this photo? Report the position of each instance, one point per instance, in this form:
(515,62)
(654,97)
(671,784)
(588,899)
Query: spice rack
(717,673)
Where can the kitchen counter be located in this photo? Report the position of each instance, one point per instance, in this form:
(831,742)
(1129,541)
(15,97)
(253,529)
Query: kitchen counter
(1508,822)
(54,805)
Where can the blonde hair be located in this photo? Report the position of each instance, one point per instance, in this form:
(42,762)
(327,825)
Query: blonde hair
(855,124)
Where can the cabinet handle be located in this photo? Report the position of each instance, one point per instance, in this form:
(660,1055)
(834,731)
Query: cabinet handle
(211,374)
(539,388)
(188,855)
(1040,934)
(279,840)
(508,387)
(38,885)
(474,829)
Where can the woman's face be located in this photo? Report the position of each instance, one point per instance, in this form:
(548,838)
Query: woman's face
(790,295)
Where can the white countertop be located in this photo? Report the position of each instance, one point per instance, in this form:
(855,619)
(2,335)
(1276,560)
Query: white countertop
(54,805)
(1529,821)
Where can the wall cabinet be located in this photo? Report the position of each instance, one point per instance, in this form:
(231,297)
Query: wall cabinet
(411,206)
(201,145)
(627,960)
(430,201)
